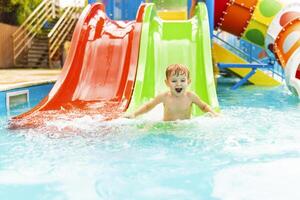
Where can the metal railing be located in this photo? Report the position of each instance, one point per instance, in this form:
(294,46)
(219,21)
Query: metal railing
(275,71)
(62,28)
(46,10)
(24,35)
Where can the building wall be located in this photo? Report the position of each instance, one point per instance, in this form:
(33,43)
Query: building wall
(6,45)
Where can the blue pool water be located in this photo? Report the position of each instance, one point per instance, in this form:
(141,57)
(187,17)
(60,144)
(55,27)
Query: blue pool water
(251,152)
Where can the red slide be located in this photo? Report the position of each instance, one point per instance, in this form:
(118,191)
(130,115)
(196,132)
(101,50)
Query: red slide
(99,73)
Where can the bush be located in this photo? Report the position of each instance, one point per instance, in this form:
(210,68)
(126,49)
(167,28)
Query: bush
(15,12)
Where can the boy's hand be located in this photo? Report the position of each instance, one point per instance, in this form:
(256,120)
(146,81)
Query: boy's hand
(214,114)
(128,115)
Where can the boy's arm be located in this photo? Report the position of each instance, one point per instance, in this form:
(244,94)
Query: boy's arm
(146,107)
(202,105)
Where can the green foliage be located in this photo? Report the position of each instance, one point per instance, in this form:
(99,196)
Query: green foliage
(16,11)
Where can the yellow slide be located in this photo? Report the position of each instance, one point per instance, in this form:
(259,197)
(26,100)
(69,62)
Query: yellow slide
(222,55)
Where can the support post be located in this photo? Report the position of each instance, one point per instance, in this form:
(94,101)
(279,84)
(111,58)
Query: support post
(244,80)
(210,4)
(92,1)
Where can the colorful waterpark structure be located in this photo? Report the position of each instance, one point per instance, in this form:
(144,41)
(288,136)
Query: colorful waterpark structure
(114,66)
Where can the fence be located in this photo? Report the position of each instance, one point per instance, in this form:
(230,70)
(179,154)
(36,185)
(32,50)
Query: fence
(6,47)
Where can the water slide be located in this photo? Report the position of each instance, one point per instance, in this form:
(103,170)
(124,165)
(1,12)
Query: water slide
(269,24)
(99,73)
(283,41)
(227,20)
(112,63)
(165,42)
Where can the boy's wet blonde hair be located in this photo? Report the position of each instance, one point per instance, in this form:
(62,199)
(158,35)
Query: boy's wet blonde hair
(178,69)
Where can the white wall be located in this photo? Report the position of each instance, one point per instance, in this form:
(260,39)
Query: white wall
(65,3)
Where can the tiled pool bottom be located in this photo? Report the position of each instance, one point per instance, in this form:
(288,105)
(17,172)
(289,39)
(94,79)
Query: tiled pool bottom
(251,152)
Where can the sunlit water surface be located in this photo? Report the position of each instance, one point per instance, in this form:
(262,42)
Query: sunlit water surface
(251,152)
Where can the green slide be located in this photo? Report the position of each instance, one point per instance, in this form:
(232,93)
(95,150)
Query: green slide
(165,42)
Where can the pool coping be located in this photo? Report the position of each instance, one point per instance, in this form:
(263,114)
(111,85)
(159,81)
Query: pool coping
(21,78)
(25,84)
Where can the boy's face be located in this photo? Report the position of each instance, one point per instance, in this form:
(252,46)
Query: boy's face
(177,83)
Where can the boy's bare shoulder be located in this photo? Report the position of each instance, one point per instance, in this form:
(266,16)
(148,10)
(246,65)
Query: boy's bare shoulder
(162,96)
(191,94)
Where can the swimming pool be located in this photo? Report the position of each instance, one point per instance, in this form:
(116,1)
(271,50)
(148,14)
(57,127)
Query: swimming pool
(251,152)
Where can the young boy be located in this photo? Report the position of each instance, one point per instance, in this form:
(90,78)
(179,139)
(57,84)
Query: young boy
(177,101)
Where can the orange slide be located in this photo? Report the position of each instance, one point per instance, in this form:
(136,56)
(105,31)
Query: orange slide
(99,73)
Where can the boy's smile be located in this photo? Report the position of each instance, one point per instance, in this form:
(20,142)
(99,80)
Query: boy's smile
(178,90)
(177,84)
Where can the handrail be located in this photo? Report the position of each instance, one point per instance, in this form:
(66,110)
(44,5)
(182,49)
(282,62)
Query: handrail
(61,29)
(271,69)
(24,35)
(236,49)
(29,35)
(37,17)
(32,15)
(59,22)
(47,9)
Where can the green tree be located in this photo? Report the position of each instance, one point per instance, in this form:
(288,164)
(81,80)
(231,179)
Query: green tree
(16,11)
